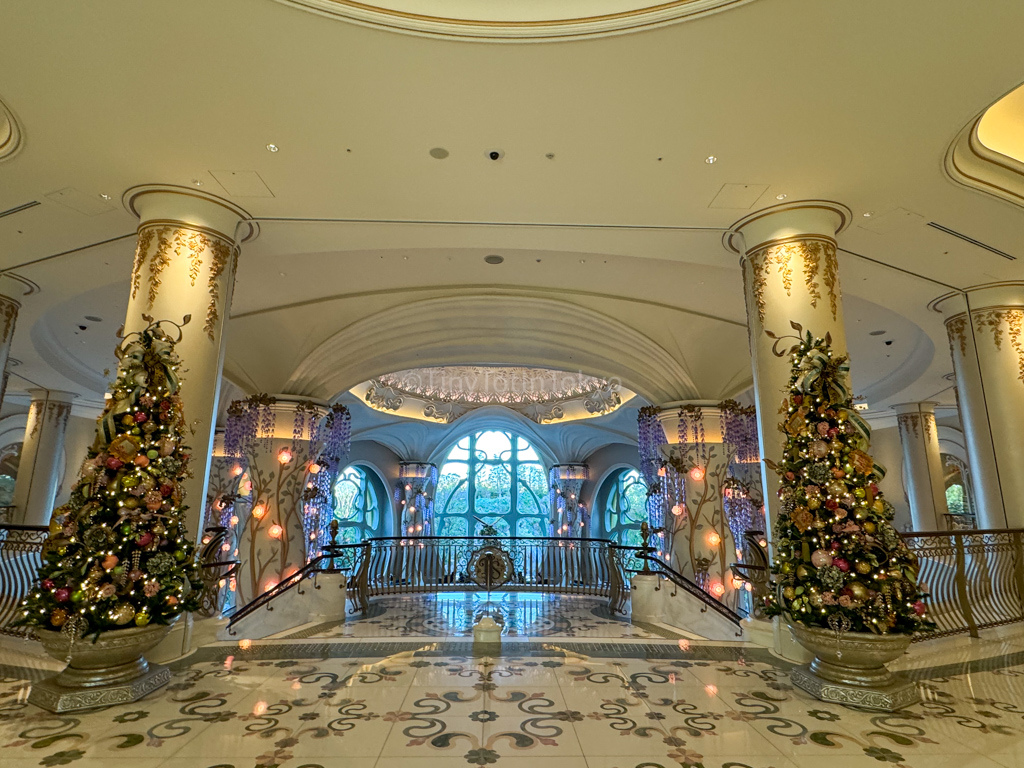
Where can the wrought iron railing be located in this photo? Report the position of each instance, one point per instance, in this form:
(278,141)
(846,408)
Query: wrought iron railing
(974,579)
(21,549)
(216,572)
(395,565)
(662,568)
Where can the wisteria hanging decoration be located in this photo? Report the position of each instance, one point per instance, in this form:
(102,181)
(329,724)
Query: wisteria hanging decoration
(336,435)
(739,426)
(249,420)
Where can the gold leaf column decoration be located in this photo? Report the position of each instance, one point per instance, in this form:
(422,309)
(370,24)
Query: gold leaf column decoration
(992,320)
(222,251)
(831,277)
(956,329)
(812,258)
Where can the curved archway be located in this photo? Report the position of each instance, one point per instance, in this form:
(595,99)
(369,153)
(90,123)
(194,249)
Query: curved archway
(498,328)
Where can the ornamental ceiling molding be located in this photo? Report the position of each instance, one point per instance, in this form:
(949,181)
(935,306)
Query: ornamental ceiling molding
(969,163)
(11,137)
(529,331)
(446,393)
(505,22)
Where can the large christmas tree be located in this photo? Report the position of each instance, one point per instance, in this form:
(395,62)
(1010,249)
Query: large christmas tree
(117,554)
(839,563)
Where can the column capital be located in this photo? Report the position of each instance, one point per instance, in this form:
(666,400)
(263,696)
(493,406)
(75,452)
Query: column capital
(711,419)
(820,219)
(1006,293)
(53,395)
(8,301)
(172,204)
(927,406)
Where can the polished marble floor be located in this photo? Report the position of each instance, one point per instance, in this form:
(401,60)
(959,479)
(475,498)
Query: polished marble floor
(580,689)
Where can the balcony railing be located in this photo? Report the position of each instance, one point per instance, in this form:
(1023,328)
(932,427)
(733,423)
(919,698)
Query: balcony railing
(21,549)
(975,579)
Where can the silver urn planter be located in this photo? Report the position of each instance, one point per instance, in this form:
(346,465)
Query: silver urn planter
(851,669)
(110,669)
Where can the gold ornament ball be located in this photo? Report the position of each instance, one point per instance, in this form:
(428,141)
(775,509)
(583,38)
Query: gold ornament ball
(141,619)
(789,593)
(127,420)
(131,503)
(122,614)
(863,567)
(58,617)
(801,572)
(859,590)
(869,527)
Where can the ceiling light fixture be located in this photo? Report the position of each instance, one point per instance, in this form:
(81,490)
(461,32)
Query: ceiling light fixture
(439,153)
(710,159)
(868,214)
(104,196)
(272,147)
(197,182)
(494,258)
(780,197)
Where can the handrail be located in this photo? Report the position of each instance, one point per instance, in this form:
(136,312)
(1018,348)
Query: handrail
(681,581)
(265,598)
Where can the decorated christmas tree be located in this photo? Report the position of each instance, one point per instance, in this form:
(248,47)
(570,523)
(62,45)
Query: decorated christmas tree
(839,563)
(117,554)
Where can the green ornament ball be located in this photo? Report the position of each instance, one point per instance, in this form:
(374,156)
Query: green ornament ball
(179,555)
(153,454)
(130,482)
(77,596)
(126,529)
(141,619)
(859,493)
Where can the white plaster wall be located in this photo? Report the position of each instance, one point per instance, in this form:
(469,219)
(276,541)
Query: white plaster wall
(888,451)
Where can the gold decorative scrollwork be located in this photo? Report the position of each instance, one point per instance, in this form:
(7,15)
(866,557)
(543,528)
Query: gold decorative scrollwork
(909,422)
(956,329)
(9,314)
(175,239)
(817,258)
(992,320)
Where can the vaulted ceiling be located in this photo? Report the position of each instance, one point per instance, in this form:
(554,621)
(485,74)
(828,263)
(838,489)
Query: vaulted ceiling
(602,204)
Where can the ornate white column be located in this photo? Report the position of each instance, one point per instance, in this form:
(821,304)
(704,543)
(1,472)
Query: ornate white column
(701,540)
(922,465)
(273,542)
(791,280)
(185,266)
(8,317)
(986,340)
(39,471)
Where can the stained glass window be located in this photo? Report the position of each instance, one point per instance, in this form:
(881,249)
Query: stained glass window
(625,507)
(492,478)
(356,506)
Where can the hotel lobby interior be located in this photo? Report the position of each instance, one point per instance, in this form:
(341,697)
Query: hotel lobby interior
(592,384)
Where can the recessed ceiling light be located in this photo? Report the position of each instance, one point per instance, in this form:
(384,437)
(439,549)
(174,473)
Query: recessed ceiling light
(780,197)
(868,214)
(94,319)
(860,406)
(877,333)
(710,159)
(104,196)
(439,153)
(494,258)
(272,147)
(550,155)
(197,182)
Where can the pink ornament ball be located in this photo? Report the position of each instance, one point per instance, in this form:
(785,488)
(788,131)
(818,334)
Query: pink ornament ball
(919,608)
(144,540)
(820,558)
(47,583)
(62,595)
(841,564)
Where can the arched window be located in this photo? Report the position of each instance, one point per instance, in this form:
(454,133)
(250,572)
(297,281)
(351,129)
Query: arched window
(495,477)
(625,507)
(356,505)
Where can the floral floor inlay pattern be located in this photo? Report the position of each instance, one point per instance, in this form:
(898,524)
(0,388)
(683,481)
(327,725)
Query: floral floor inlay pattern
(419,709)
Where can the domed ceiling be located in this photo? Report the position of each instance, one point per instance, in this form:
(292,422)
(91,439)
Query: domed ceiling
(444,393)
(515,19)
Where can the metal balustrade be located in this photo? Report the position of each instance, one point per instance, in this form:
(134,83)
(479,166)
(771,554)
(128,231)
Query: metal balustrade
(21,549)
(974,579)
